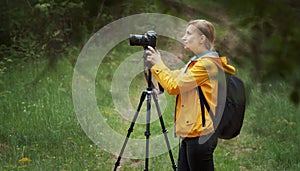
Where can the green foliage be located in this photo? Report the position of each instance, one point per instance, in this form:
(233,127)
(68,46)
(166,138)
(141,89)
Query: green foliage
(268,140)
(269,39)
(38,120)
(34,30)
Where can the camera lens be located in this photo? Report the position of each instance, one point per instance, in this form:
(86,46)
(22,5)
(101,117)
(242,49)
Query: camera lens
(136,40)
(143,40)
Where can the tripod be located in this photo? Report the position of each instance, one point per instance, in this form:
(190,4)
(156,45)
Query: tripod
(147,94)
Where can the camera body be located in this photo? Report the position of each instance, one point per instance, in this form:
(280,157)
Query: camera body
(148,39)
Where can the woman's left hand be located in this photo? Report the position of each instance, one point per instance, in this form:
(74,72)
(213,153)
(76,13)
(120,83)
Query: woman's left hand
(153,55)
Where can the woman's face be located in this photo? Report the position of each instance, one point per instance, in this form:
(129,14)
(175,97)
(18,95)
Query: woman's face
(192,39)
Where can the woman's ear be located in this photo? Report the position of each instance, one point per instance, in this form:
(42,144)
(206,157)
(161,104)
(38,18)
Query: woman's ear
(202,39)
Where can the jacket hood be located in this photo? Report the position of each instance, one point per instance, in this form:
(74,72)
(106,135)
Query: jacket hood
(221,62)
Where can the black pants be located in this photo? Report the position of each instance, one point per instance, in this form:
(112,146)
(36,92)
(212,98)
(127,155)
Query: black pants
(196,154)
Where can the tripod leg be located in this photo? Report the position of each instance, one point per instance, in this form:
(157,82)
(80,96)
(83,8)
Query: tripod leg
(165,132)
(147,133)
(117,164)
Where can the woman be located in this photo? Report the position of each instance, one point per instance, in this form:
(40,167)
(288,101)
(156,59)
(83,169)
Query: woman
(198,141)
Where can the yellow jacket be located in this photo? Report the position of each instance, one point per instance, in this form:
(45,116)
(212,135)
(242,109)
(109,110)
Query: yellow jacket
(200,72)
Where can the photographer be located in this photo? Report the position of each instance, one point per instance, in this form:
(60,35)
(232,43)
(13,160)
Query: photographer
(198,141)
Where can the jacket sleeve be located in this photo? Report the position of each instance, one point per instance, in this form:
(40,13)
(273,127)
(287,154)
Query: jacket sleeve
(180,83)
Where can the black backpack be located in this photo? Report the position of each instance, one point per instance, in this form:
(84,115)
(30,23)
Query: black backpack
(231,121)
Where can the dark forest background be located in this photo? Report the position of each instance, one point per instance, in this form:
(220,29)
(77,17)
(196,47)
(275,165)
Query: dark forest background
(262,34)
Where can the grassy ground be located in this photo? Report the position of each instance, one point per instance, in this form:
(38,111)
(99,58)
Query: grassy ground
(39,129)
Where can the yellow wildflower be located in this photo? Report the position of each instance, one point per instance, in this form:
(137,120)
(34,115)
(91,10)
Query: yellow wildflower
(24,159)
(22,167)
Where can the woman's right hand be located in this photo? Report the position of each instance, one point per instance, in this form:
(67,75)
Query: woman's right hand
(153,55)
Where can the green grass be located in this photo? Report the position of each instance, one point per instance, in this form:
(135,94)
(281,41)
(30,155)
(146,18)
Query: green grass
(38,122)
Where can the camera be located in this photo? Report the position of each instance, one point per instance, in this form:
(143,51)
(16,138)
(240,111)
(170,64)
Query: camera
(148,39)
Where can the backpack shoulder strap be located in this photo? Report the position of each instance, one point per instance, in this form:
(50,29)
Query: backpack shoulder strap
(203,102)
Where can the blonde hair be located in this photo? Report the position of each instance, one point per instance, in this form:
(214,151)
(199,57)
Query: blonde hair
(207,29)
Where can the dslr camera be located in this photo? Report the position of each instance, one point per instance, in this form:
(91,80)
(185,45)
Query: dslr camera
(148,39)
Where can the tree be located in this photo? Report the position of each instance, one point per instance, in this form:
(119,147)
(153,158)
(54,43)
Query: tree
(270,39)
